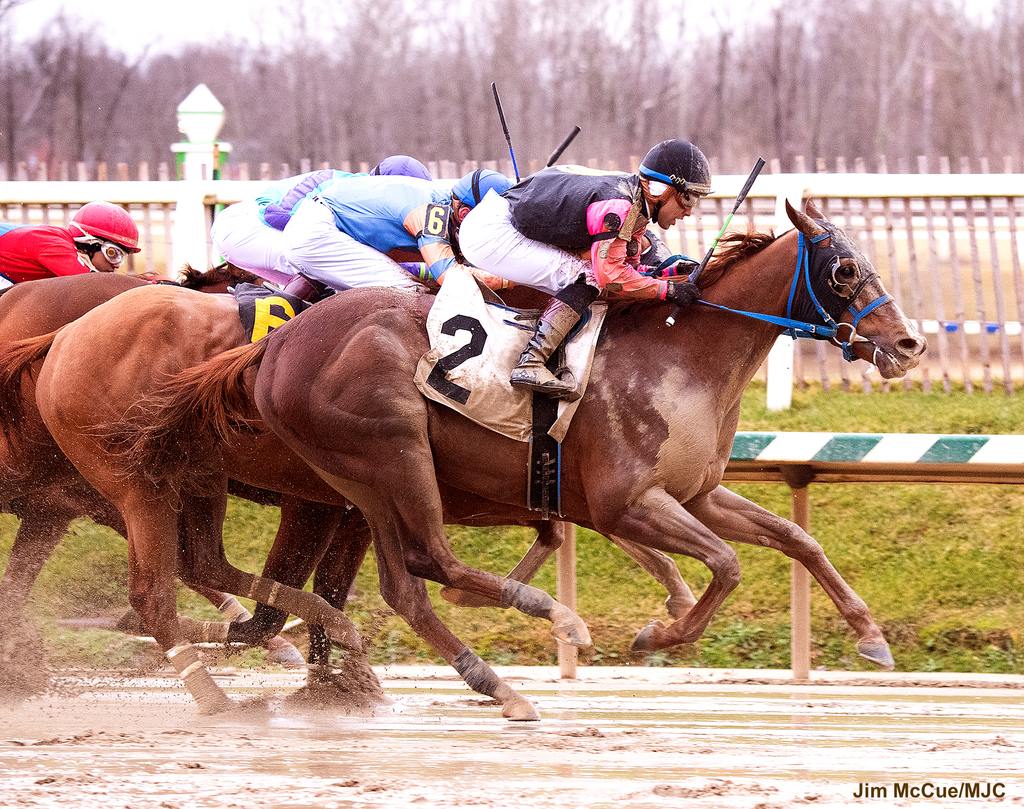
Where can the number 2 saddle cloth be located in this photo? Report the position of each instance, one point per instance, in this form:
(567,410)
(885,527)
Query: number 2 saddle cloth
(474,345)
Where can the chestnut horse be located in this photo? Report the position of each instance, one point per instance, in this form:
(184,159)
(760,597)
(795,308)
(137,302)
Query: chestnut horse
(38,484)
(186,327)
(644,457)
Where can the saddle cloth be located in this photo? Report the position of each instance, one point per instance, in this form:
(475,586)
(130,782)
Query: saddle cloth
(474,345)
(262,310)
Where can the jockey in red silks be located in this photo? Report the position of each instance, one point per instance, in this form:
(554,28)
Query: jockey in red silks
(538,232)
(97,239)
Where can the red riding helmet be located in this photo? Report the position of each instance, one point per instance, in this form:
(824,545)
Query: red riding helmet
(109,222)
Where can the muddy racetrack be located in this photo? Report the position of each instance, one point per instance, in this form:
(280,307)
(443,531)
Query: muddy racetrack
(616,738)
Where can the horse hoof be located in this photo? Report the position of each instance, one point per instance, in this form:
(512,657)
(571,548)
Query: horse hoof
(283,653)
(216,705)
(463,598)
(878,653)
(572,631)
(646,639)
(520,710)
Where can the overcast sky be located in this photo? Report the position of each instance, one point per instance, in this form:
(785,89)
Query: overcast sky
(162,25)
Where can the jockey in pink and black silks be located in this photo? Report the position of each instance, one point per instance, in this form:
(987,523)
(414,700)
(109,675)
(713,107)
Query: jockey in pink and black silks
(539,231)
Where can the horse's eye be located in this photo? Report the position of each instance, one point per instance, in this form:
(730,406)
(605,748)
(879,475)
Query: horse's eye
(846,272)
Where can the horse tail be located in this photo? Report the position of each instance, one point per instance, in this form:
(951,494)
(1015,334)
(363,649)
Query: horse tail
(16,360)
(182,424)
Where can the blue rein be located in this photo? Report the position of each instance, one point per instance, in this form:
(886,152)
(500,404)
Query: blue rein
(828,329)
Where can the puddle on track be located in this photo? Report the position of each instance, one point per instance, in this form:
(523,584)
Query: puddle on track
(121,743)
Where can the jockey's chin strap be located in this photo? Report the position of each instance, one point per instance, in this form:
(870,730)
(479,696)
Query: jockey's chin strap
(829,328)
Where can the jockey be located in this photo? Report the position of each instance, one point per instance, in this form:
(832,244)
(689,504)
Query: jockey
(248,233)
(345,236)
(575,232)
(97,239)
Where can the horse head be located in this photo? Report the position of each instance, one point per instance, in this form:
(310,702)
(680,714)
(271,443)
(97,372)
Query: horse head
(838,285)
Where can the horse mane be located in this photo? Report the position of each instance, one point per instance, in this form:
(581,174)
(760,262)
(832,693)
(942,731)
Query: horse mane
(732,249)
(225,273)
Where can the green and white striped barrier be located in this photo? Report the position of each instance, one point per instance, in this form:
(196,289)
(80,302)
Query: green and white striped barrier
(878,448)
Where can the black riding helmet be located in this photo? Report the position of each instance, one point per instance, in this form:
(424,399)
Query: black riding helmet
(680,164)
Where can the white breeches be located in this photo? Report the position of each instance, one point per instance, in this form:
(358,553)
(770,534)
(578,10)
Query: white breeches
(489,241)
(244,239)
(315,247)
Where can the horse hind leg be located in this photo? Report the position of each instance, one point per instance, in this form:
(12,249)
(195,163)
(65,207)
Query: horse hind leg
(428,553)
(743,521)
(407,595)
(38,535)
(550,535)
(151,565)
(22,667)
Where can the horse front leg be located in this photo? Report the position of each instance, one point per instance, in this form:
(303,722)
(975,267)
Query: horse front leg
(663,570)
(657,521)
(736,518)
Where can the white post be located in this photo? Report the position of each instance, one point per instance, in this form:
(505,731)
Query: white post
(200,118)
(780,374)
(565,559)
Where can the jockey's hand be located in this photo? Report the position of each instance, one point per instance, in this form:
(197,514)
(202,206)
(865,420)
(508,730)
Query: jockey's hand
(682,293)
(675,265)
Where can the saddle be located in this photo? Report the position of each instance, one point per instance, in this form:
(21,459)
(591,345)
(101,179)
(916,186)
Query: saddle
(473,346)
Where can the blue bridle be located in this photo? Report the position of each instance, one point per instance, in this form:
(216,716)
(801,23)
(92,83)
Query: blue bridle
(829,327)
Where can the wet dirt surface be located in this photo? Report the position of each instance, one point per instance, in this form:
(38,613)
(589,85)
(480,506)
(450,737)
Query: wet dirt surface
(635,739)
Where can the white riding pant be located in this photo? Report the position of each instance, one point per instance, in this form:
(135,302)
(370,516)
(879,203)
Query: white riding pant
(315,247)
(489,241)
(241,236)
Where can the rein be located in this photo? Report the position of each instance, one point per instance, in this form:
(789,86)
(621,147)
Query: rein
(829,328)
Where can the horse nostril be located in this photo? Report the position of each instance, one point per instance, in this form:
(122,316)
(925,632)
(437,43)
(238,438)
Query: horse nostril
(911,346)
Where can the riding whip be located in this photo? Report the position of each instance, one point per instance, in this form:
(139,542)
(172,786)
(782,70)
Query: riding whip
(562,147)
(671,319)
(504,128)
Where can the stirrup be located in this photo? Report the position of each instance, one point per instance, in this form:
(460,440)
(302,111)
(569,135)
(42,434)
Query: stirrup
(553,386)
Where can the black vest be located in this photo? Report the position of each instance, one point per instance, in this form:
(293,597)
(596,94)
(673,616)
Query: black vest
(551,205)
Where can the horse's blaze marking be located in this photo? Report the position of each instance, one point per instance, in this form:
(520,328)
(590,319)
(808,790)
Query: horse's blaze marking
(474,348)
(271,313)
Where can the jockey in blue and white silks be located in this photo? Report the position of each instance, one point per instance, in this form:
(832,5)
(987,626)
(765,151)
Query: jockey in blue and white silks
(248,233)
(352,232)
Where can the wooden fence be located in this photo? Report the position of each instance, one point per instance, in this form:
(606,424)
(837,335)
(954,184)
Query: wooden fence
(945,239)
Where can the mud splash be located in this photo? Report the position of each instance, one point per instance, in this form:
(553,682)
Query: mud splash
(610,743)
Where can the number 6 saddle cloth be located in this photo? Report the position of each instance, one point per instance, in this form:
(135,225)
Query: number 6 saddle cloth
(474,345)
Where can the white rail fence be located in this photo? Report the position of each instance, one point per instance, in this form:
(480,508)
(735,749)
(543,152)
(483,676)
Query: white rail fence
(947,245)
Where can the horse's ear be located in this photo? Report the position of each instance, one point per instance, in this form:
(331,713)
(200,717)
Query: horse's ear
(803,222)
(812,210)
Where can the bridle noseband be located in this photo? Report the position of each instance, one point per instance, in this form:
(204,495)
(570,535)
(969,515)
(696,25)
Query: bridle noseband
(829,326)
(805,256)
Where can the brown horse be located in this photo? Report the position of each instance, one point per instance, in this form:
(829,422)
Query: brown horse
(645,455)
(38,484)
(206,324)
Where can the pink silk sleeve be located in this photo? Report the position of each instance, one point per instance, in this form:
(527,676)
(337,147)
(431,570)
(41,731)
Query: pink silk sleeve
(612,268)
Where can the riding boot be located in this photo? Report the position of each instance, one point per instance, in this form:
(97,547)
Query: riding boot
(305,288)
(531,371)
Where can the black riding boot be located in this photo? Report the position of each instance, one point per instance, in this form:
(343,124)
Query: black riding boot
(531,371)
